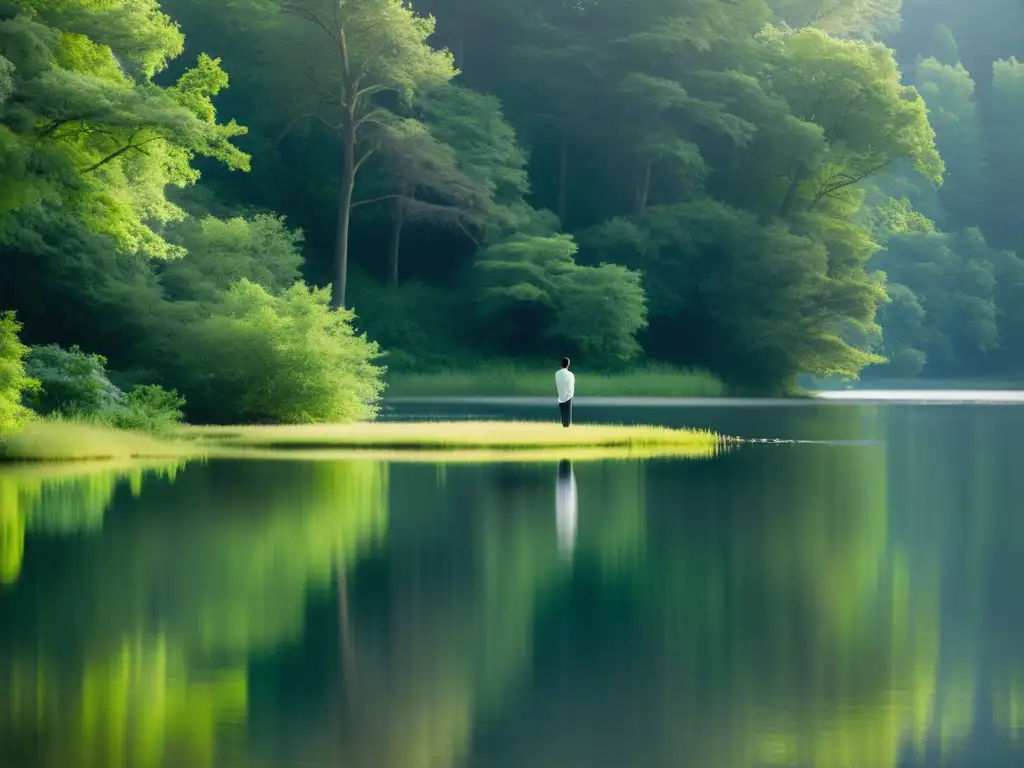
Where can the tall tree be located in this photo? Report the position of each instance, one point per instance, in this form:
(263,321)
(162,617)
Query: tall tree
(869,119)
(429,187)
(1005,156)
(353,53)
(948,92)
(858,19)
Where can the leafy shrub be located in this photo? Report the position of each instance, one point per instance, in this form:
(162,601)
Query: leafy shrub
(73,381)
(260,248)
(261,358)
(75,384)
(148,407)
(14,381)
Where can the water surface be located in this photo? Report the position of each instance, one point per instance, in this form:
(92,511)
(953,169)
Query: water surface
(849,601)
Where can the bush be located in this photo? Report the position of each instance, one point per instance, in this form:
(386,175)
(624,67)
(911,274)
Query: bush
(15,383)
(219,251)
(150,408)
(72,381)
(75,384)
(277,359)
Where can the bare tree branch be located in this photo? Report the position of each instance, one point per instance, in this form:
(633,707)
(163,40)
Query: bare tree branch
(127,148)
(370,90)
(295,121)
(307,15)
(371,117)
(373,200)
(366,156)
(843,180)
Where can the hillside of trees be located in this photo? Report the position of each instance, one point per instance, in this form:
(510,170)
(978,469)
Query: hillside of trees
(249,201)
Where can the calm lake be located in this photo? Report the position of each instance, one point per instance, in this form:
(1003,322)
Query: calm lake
(849,597)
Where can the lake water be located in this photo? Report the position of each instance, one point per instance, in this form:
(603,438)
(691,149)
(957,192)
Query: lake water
(851,598)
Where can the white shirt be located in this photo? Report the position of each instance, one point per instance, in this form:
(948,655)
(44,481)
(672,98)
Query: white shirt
(565,383)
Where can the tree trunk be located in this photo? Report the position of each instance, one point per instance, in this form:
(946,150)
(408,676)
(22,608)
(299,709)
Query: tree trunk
(348,183)
(563,173)
(397,222)
(643,191)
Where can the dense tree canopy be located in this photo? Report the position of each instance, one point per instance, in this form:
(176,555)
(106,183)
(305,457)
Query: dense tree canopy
(683,181)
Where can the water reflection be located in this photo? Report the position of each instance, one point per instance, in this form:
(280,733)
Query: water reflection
(565,508)
(136,653)
(834,606)
(66,499)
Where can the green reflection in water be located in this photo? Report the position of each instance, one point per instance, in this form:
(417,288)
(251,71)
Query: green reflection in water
(800,635)
(64,499)
(473,562)
(136,653)
(137,706)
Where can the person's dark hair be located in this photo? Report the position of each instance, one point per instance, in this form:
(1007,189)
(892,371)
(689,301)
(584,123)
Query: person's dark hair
(565,362)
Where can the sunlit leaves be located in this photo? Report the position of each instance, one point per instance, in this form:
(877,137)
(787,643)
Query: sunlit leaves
(14,381)
(279,359)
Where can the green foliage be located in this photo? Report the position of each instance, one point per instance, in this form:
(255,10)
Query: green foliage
(535,380)
(531,286)
(219,252)
(75,384)
(1005,156)
(948,92)
(942,46)
(728,181)
(384,52)
(736,296)
(72,381)
(487,148)
(869,119)
(260,358)
(79,130)
(148,408)
(861,19)
(418,326)
(943,307)
(15,382)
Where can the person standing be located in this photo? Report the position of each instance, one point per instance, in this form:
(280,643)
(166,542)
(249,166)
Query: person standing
(565,383)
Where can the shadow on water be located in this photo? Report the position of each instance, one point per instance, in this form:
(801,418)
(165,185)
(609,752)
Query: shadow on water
(800,604)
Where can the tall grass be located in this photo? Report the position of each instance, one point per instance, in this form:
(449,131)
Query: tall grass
(57,439)
(520,381)
(504,435)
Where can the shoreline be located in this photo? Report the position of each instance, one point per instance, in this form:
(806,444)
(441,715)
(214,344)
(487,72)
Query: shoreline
(70,442)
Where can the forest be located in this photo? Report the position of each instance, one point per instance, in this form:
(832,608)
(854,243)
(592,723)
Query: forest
(247,210)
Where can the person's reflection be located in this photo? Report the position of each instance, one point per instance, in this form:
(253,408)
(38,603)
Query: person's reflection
(565,508)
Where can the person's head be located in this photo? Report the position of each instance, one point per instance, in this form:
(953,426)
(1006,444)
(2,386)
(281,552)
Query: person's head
(565,362)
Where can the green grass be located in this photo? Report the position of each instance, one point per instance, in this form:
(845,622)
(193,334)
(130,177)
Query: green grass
(469,441)
(514,381)
(464,436)
(62,440)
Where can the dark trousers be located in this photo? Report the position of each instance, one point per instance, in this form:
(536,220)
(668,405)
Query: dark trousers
(566,409)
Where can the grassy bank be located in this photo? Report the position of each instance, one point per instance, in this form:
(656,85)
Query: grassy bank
(511,381)
(47,440)
(50,441)
(458,435)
